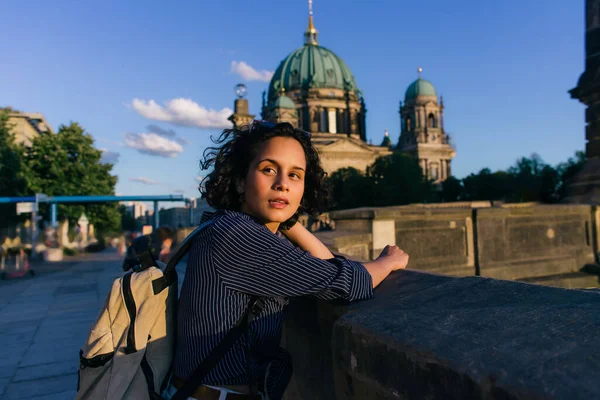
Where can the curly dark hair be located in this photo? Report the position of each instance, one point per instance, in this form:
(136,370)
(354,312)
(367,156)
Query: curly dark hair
(231,158)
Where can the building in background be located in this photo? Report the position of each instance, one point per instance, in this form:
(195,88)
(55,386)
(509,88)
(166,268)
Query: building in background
(179,217)
(422,132)
(26,126)
(314,90)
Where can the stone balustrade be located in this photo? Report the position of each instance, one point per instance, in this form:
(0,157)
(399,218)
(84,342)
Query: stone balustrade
(547,244)
(427,336)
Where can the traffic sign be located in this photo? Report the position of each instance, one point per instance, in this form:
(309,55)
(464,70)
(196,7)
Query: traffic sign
(26,208)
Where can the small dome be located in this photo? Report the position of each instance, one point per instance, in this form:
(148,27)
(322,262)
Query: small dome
(311,66)
(284,102)
(420,87)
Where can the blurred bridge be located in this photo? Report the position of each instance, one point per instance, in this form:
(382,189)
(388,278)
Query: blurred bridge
(54,200)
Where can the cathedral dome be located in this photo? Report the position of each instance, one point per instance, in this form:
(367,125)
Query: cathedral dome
(284,102)
(420,87)
(312,66)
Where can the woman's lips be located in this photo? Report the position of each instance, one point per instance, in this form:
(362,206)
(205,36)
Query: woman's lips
(278,203)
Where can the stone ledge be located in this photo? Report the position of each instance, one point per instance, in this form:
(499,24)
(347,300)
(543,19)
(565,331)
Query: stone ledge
(430,336)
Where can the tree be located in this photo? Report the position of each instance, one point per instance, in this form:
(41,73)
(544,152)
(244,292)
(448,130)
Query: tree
(12,182)
(66,163)
(452,189)
(398,179)
(532,180)
(567,172)
(350,188)
(487,185)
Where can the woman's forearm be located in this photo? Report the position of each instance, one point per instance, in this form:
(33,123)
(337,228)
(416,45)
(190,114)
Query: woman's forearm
(302,238)
(379,270)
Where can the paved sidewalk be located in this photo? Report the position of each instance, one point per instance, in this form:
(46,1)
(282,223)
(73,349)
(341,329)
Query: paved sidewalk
(44,320)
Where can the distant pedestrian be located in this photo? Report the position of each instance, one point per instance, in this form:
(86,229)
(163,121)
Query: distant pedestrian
(263,177)
(159,243)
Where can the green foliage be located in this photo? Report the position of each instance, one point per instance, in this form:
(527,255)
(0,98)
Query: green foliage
(12,182)
(567,172)
(452,190)
(350,188)
(397,179)
(392,180)
(68,164)
(486,185)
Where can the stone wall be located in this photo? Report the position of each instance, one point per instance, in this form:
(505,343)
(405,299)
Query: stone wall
(528,242)
(428,336)
(522,243)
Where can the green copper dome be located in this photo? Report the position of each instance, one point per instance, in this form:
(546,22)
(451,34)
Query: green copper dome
(284,102)
(312,66)
(420,87)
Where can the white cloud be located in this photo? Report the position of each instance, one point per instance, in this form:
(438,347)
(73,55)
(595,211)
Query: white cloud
(183,112)
(153,144)
(247,72)
(168,133)
(145,181)
(109,157)
(179,191)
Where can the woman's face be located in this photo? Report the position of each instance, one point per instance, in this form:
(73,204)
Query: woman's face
(274,185)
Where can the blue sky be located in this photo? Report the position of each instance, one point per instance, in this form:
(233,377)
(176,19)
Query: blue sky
(504,69)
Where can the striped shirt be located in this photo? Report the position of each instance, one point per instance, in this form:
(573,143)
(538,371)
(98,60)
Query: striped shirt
(234,258)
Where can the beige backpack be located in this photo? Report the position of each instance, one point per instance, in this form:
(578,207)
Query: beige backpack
(129,351)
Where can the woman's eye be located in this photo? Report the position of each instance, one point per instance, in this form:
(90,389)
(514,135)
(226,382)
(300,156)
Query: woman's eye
(295,175)
(268,170)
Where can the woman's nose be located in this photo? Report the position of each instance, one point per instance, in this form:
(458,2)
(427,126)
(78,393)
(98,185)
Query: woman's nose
(281,184)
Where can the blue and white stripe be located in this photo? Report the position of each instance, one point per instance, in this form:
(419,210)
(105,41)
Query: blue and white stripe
(237,257)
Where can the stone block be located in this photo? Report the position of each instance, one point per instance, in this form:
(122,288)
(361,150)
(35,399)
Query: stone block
(519,243)
(431,336)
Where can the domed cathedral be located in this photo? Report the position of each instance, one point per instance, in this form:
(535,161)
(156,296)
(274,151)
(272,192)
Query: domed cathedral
(314,90)
(422,130)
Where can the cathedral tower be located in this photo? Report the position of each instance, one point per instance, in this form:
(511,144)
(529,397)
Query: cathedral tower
(422,130)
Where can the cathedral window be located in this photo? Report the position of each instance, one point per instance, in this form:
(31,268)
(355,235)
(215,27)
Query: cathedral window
(323,122)
(432,123)
(408,124)
(433,171)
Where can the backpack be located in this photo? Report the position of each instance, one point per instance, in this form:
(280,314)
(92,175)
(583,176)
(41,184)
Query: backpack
(129,351)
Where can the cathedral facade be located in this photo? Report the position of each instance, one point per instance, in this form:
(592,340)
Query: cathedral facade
(314,90)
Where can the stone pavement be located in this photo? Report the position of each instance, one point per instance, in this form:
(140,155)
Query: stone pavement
(44,320)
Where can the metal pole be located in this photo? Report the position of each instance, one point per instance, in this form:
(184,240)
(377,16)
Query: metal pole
(156,218)
(53,220)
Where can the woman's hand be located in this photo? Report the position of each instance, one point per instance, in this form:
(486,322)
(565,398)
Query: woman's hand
(390,259)
(397,258)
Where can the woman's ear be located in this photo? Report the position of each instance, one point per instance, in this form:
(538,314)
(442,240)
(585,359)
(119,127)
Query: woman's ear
(240,186)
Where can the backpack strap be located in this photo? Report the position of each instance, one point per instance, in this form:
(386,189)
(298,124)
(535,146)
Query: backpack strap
(169,273)
(254,308)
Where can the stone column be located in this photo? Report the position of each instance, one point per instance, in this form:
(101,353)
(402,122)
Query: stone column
(586,186)
(384,233)
(241,115)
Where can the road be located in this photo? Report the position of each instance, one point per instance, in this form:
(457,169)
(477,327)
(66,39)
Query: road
(44,321)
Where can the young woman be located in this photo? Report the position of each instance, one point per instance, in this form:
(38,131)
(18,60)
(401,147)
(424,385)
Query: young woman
(263,177)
